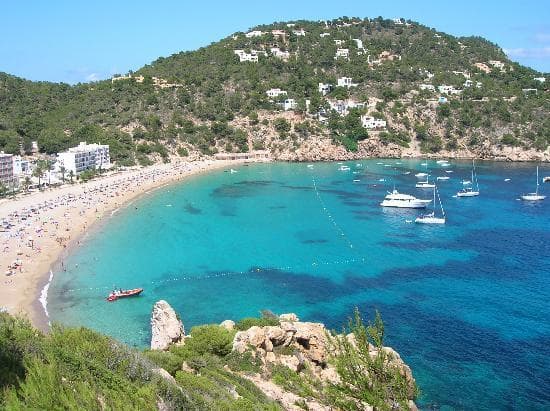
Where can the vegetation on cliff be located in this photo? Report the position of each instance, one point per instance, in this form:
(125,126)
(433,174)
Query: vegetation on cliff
(207,100)
(76,368)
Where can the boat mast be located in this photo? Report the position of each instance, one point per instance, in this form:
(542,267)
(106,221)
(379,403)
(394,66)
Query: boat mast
(441,205)
(537,190)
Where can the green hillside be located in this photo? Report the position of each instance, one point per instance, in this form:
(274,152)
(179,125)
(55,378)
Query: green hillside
(207,101)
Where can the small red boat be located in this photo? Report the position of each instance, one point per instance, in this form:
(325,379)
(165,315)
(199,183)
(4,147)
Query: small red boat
(116,294)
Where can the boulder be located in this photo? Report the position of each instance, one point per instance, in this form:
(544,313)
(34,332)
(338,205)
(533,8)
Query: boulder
(312,337)
(276,335)
(228,325)
(166,328)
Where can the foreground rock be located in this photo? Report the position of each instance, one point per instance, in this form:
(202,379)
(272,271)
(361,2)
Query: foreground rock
(166,328)
(304,348)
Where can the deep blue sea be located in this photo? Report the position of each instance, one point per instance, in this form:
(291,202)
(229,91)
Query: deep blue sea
(466,304)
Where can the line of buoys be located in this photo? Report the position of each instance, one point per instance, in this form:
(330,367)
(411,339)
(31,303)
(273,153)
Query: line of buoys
(258,270)
(329,215)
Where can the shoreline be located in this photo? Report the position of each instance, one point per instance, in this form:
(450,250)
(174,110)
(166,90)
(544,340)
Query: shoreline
(65,215)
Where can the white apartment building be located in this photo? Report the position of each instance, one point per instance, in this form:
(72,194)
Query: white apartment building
(84,157)
(275,92)
(339,42)
(324,88)
(346,82)
(371,123)
(6,168)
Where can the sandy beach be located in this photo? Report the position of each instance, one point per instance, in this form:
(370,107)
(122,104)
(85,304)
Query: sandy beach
(44,225)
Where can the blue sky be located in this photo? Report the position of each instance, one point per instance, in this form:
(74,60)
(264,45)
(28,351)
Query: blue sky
(76,41)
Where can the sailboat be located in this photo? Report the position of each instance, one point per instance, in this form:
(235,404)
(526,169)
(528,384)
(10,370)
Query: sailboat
(534,196)
(424,184)
(469,190)
(431,218)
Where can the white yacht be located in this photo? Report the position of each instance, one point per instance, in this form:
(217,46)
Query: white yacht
(534,196)
(424,184)
(396,199)
(343,168)
(468,190)
(431,218)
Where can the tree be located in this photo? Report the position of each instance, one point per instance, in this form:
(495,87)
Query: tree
(63,170)
(38,172)
(26,183)
(71,175)
(368,374)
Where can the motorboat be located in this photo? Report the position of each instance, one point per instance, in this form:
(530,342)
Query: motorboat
(443,178)
(116,294)
(399,200)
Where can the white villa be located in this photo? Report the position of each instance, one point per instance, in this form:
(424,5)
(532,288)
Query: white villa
(244,56)
(483,67)
(443,89)
(254,33)
(277,52)
(324,88)
(346,82)
(339,42)
(371,123)
(300,32)
(359,43)
(278,32)
(289,104)
(275,92)
(84,157)
(540,79)
(465,74)
(324,35)
(342,107)
(429,87)
(341,53)
(397,21)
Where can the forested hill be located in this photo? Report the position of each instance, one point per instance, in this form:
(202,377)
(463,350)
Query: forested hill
(208,100)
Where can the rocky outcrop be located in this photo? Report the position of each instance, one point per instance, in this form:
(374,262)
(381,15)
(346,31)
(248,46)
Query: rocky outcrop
(228,324)
(166,327)
(302,347)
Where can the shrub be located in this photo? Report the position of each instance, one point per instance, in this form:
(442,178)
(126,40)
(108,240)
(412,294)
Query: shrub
(183,152)
(246,323)
(206,339)
(167,360)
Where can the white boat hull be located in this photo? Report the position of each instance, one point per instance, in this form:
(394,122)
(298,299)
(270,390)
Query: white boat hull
(533,197)
(425,185)
(429,220)
(467,194)
(405,204)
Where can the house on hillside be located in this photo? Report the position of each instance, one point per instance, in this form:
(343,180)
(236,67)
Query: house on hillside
(254,33)
(342,107)
(325,88)
(497,64)
(289,104)
(449,90)
(341,53)
(540,79)
(275,92)
(324,35)
(300,32)
(278,33)
(278,53)
(429,87)
(244,56)
(339,42)
(372,123)
(346,82)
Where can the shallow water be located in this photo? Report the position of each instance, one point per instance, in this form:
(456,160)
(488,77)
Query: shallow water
(467,304)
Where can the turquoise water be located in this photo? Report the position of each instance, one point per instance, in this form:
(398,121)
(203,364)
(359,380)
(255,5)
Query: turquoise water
(466,304)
